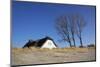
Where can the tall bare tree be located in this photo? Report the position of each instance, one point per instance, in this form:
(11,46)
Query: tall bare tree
(80,21)
(72,27)
(62,27)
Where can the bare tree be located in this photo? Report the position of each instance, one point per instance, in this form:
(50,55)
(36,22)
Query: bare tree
(62,27)
(80,26)
(72,27)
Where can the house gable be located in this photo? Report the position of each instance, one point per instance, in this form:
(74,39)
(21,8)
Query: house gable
(49,44)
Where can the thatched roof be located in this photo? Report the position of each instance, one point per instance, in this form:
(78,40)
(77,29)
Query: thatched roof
(38,43)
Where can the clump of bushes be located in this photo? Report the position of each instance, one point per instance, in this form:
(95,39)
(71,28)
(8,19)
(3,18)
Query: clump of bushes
(91,45)
(82,47)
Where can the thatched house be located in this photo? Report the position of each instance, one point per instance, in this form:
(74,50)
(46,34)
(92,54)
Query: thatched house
(46,42)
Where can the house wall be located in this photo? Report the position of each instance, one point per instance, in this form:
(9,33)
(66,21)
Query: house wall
(49,44)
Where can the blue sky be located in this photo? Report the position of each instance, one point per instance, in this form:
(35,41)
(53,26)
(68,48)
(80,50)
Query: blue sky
(32,20)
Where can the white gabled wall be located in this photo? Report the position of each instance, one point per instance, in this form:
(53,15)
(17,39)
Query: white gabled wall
(49,44)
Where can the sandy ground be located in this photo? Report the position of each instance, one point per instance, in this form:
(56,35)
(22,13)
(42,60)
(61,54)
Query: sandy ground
(41,56)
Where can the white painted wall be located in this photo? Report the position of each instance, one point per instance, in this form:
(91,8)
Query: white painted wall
(49,44)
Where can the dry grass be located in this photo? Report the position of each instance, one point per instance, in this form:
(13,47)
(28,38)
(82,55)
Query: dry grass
(39,56)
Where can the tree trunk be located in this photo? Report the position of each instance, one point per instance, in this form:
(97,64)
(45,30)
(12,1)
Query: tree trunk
(70,43)
(81,42)
(74,42)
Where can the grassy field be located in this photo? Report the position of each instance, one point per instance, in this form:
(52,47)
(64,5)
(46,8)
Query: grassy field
(59,55)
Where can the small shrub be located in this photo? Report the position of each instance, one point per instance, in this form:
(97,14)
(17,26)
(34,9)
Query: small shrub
(81,46)
(91,45)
